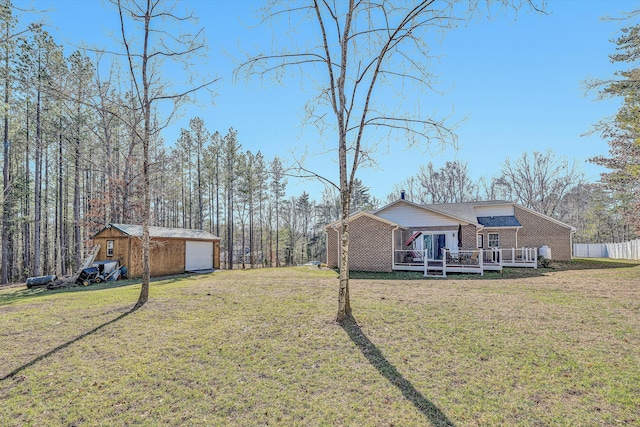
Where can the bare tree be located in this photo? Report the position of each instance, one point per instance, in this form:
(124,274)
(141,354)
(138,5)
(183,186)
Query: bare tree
(7,46)
(539,182)
(359,50)
(154,20)
(448,184)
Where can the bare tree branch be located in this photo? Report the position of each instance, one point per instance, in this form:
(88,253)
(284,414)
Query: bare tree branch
(365,46)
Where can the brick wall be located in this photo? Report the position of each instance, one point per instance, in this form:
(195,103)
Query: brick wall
(370,245)
(332,248)
(537,231)
(469,234)
(506,237)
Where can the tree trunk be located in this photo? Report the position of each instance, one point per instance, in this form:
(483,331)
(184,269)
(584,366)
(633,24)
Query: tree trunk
(200,225)
(251,257)
(146,211)
(77,236)
(344,304)
(229,223)
(62,249)
(6,186)
(45,237)
(277,233)
(26,212)
(217,192)
(37,188)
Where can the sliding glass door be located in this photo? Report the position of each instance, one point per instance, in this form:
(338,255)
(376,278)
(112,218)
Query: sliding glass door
(433,245)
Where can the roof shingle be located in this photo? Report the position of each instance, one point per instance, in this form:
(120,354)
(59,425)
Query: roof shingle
(499,221)
(168,232)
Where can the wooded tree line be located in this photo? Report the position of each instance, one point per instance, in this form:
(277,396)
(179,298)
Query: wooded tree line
(621,184)
(71,165)
(543,182)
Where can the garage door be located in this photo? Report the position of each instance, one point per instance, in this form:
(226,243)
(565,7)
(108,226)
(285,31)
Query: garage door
(198,255)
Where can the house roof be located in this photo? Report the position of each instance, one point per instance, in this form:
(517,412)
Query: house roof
(459,213)
(570,227)
(499,221)
(465,211)
(167,232)
(336,223)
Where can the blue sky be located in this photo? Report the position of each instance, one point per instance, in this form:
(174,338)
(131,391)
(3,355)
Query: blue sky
(514,83)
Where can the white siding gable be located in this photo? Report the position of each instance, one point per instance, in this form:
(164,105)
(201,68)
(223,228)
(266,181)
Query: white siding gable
(494,210)
(413,216)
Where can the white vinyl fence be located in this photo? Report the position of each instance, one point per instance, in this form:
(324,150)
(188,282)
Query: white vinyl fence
(624,250)
(590,250)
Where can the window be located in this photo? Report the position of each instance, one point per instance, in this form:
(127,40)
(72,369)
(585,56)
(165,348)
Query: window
(480,241)
(493,240)
(109,247)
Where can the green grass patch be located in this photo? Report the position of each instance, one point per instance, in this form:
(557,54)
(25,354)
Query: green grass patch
(260,347)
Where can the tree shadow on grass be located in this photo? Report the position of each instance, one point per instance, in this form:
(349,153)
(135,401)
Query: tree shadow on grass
(67,344)
(433,414)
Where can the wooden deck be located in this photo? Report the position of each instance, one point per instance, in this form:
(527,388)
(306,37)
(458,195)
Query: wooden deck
(467,261)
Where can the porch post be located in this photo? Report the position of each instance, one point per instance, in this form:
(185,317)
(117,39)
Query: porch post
(393,248)
(444,262)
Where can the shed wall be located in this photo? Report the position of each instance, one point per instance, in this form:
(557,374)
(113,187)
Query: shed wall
(167,255)
(121,246)
(216,254)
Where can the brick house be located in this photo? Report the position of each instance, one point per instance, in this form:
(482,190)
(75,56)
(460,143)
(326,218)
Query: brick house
(402,235)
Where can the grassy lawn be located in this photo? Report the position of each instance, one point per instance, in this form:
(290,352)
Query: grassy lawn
(553,347)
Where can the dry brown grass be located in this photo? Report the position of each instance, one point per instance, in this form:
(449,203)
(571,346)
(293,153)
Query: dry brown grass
(550,347)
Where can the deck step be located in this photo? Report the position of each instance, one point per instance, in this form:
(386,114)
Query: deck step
(433,273)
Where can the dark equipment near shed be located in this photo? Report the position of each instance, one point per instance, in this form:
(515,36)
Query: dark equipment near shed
(87,276)
(33,282)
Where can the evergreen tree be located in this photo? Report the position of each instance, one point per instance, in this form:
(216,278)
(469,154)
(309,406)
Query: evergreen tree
(623,131)
(278,187)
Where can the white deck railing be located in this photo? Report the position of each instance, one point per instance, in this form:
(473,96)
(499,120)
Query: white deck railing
(520,257)
(463,261)
(408,258)
(466,260)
